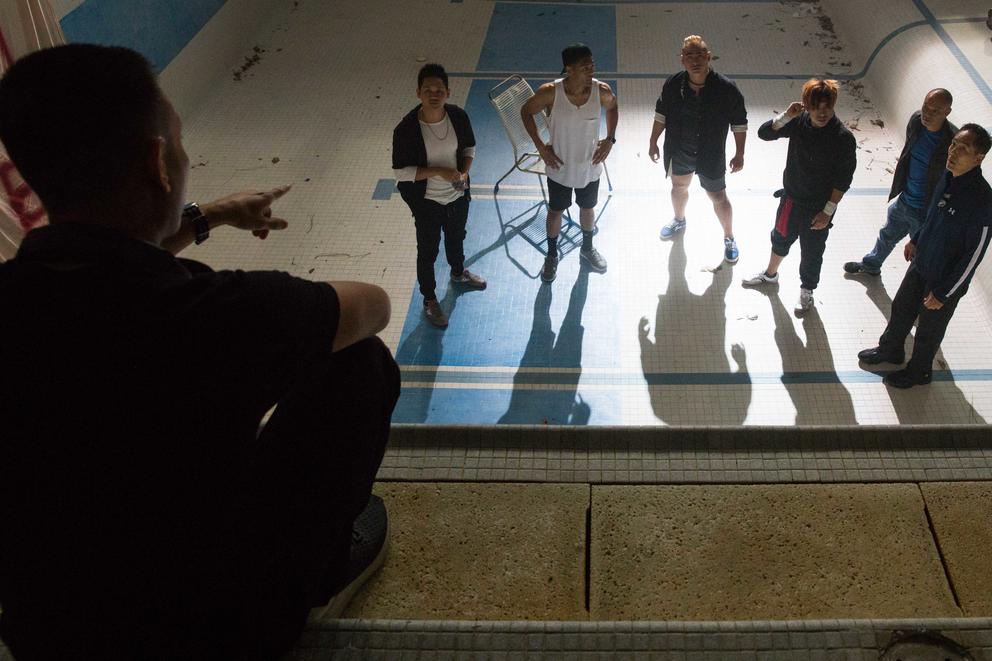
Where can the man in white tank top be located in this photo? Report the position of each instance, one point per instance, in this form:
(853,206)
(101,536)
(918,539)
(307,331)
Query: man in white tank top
(574,157)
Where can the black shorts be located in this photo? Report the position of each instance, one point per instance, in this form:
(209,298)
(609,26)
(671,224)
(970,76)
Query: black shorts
(683,164)
(560,197)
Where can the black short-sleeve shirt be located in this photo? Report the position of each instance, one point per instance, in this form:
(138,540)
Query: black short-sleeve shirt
(132,387)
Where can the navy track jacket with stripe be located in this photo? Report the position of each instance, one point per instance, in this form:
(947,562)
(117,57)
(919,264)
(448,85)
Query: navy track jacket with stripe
(952,241)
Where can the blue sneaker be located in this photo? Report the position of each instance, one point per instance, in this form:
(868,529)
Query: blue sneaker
(730,252)
(672,228)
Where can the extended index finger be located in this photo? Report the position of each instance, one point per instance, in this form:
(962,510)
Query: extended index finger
(275,193)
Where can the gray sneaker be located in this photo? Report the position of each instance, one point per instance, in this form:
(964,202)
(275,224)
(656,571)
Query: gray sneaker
(596,261)
(550,270)
(804,303)
(469,279)
(760,279)
(434,314)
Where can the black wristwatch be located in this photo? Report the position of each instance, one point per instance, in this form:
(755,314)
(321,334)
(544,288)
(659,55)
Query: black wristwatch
(612,140)
(201,228)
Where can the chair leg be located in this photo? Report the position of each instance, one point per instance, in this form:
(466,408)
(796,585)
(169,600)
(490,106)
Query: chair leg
(496,187)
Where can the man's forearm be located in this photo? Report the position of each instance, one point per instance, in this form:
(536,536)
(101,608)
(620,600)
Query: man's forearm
(612,119)
(531,126)
(656,130)
(740,139)
(187,234)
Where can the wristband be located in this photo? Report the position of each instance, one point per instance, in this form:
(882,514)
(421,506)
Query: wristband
(829,208)
(781,121)
(201,228)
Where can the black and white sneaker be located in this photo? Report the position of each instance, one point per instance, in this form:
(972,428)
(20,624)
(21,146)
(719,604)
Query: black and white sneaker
(369,542)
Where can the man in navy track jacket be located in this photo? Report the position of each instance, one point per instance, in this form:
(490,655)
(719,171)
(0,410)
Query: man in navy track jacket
(944,254)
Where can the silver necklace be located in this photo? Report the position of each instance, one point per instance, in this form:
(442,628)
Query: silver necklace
(447,129)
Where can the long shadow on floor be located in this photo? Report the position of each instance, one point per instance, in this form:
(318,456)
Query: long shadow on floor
(552,398)
(689,350)
(826,401)
(917,405)
(425,346)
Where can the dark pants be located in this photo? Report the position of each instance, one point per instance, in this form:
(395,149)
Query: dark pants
(907,306)
(793,222)
(431,218)
(301,482)
(315,463)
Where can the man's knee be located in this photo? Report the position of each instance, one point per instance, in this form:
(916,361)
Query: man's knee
(372,359)
(719,198)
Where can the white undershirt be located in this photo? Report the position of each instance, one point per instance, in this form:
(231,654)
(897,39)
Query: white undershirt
(441,143)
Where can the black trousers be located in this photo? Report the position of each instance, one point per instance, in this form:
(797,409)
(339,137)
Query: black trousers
(907,306)
(793,222)
(431,219)
(302,482)
(312,474)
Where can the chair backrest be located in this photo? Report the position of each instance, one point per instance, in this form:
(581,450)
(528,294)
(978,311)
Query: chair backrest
(508,97)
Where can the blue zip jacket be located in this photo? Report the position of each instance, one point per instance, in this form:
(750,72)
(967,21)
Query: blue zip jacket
(952,241)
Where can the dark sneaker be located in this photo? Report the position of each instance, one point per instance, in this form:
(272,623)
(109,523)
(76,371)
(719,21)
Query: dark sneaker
(596,261)
(469,279)
(875,355)
(905,379)
(550,270)
(434,314)
(859,267)
(369,543)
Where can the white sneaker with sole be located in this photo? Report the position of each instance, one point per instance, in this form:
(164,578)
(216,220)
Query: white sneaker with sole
(805,301)
(760,279)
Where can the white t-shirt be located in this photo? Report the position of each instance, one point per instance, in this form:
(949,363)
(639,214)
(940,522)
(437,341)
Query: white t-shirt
(441,143)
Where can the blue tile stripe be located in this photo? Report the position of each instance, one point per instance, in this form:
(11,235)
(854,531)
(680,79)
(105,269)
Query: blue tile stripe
(384,189)
(956,51)
(596,378)
(158,29)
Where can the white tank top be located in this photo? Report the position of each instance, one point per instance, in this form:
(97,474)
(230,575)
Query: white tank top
(574,134)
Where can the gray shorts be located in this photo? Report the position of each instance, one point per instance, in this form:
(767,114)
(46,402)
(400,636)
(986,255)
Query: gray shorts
(683,165)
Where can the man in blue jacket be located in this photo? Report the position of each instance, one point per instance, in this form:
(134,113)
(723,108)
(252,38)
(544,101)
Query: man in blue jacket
(920,167)
(944,255)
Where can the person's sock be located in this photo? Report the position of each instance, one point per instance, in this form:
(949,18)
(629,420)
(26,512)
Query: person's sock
(587,239)
(553,245)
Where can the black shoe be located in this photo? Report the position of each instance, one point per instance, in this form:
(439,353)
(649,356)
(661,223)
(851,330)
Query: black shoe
(369,541)
(858,267)
(906,379)
(874,356)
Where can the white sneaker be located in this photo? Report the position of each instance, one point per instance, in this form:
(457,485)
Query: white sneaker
(760,279)
(805,301)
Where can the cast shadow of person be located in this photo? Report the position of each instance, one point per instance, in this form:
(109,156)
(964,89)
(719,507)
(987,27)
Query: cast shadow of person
(916,405)
(423,346)
(822,400)
(689,349)
(531,402)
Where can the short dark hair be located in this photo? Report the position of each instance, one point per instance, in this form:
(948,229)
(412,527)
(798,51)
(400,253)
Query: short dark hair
(574,53)
(75,120)
(432,71)
(982,141)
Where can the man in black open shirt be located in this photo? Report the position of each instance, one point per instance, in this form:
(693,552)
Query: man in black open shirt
(144,516)
(818,171)
(944,254)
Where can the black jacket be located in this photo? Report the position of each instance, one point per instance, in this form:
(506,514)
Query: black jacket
(819,160)
(409,150)
(722,107)
(938,162)
(952,241)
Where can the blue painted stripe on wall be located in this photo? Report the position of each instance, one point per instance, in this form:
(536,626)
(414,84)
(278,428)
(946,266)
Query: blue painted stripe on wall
(518,36)
(158,29)
(956,51)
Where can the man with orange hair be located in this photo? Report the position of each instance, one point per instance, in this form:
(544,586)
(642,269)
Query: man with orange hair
(695,111)
(818,171)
